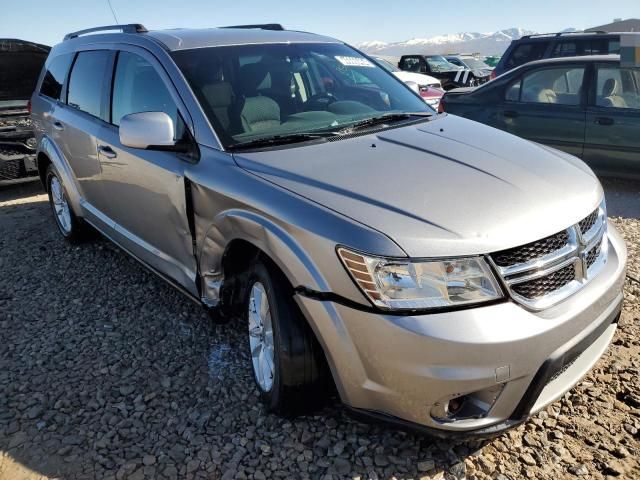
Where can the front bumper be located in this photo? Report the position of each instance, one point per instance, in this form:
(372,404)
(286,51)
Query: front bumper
(400,368)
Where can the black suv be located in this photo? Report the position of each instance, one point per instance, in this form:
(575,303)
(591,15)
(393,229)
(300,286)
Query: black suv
(552,45)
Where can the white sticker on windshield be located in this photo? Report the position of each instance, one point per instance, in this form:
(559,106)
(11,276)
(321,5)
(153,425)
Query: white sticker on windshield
(354,61)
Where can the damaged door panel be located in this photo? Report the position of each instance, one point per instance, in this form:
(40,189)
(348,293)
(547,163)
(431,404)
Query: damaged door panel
(20,66)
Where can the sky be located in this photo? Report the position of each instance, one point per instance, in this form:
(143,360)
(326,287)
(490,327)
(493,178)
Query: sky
(355,21)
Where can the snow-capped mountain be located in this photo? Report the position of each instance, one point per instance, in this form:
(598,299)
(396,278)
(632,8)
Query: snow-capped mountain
(494,43)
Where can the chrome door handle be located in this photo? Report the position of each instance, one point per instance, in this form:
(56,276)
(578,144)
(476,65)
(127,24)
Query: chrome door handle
(107,151)
(58,126)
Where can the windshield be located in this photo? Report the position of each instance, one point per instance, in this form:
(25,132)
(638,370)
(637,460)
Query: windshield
(440,64)
(252,92)
(387,65)
(475,64)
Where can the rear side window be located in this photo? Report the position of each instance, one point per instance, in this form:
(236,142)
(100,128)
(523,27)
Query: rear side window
(525,53)
(86,83)
(561,86)
(137,87)
(589,46)
(55,75)
(568,49)
(603,46)
(618,87)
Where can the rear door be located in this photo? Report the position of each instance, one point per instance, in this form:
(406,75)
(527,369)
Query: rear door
(547,105)
(77,123)
(612,143)
(147,187)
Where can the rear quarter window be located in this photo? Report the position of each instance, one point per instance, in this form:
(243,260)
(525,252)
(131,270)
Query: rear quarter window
(87,81)
(54,76)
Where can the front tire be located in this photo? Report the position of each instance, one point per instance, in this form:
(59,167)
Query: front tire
(287,361)
(71,227)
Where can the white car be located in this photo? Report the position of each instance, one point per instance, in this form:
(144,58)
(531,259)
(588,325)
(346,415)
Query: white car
(429,88)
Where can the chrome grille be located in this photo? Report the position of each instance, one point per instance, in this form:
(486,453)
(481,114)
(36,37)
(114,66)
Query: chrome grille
(588,223)
(545,272)
(539,287)
(531,251)
(593,255)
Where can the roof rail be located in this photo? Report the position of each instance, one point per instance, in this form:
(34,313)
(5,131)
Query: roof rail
(128,28)
(261,26)
(559,34)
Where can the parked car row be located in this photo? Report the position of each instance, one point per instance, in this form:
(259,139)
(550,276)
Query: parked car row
(453,71)
(429,88)
(443,275)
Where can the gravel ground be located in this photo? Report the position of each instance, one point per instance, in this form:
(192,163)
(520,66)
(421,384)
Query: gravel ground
(106,372)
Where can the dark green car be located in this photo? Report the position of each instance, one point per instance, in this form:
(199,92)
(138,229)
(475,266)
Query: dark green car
(586,106)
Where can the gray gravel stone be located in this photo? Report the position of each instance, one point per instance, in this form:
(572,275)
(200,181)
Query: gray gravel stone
(106,372)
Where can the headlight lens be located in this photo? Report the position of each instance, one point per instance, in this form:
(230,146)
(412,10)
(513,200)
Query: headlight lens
(398,284)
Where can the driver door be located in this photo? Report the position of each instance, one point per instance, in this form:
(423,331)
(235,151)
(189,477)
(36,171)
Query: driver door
(147,187)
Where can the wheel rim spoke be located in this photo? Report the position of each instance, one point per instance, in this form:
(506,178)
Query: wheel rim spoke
(60,205)
(261,337)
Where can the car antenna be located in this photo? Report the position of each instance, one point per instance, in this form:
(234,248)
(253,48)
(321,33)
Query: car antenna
(113,12)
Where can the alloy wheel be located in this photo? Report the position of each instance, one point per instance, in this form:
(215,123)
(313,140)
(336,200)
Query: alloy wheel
(60,205)
(261,337)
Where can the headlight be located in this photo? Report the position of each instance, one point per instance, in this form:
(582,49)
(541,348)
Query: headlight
(398,284)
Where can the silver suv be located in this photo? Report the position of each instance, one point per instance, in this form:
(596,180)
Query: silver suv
(443,275)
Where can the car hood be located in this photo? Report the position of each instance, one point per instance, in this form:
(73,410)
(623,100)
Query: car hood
(20,66)
(419,78)
(441,188)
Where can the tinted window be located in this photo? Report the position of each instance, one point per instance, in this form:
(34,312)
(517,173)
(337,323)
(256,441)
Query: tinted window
(137,87)
(55,75)
(614,46)
(86,83)
(526,52)
(561,86)
(618,87)
(567,49)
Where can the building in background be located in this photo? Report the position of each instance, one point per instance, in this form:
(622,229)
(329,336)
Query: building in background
(618,25)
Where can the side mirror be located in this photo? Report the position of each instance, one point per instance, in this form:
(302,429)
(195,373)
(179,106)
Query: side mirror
(413,86)
(147,130)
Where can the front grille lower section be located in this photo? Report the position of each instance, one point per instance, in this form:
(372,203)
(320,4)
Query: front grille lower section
(539,287)
(545,272)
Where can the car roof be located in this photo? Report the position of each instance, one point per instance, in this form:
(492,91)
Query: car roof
(582,59)
(185,39)
(536,37)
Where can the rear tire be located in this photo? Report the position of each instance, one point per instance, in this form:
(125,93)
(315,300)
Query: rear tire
(72,228)
(292,374)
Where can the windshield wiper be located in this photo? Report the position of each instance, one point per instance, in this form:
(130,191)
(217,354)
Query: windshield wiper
(382,119)
(279,140)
